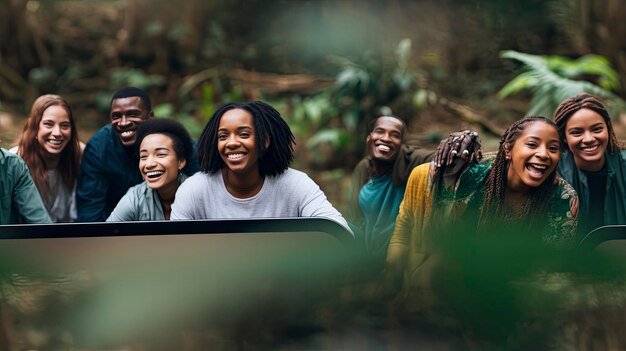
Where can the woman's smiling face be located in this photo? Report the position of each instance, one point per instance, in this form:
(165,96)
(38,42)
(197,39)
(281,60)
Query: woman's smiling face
(533,156)
(236,141)
(158,162)
(587,137)
(55,130)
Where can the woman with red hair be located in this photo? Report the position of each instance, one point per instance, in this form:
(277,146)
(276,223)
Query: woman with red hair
(50,147)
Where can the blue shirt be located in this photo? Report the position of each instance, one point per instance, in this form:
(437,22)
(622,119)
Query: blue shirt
(379,201)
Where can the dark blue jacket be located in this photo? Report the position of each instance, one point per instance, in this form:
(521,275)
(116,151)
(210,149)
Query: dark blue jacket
(108,170)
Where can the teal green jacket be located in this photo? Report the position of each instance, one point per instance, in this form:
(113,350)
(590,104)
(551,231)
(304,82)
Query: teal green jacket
(615,200)
(20,201)
(140,203)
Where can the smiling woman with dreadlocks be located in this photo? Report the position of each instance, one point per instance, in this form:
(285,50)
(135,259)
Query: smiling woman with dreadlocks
(244,153)
(518,189)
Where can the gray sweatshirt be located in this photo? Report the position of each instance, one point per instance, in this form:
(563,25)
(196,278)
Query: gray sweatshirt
(291,194)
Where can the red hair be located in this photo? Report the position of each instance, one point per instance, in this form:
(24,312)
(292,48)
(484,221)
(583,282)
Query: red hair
(33,153)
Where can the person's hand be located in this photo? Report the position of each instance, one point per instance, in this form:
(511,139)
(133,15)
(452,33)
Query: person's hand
(455,153)
(462,144)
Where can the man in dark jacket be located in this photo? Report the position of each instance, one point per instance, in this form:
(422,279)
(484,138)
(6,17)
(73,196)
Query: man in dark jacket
(110,163)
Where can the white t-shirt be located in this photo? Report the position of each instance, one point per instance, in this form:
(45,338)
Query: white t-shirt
(291,194)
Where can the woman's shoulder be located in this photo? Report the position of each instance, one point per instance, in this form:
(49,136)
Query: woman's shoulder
(8,157)
(199,180)
(421,169)
(620,156)
(563,189)
(291,175)
(477,172)
(138,191)
(564,197)
(293,181)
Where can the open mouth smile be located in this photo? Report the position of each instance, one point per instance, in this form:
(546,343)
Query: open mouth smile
(235,157)
(55,142)
(590,148)
(153,175)
(127,133)
(536,170)
(383,148)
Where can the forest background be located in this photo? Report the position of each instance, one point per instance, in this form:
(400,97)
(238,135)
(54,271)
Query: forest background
(330,67)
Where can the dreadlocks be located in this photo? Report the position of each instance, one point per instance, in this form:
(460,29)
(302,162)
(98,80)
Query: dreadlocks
(269,127)
(568,107)
(493,210)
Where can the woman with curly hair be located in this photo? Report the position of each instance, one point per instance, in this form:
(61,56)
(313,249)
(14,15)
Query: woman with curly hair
(593,162)
(163,146)
(50,147)
(244,153)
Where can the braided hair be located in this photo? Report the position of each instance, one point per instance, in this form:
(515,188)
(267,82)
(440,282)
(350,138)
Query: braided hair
(493,210)
(268,126)
(568,107)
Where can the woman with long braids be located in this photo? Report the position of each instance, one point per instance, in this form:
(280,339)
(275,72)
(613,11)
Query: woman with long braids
(593,162)
(519,188)
(244,153)
(50,147)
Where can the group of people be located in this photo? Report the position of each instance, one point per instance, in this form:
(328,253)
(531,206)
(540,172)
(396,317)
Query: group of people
(141,168)
(561,178)
(555,180)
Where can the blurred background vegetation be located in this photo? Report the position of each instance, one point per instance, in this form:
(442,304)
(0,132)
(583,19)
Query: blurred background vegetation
(329,66)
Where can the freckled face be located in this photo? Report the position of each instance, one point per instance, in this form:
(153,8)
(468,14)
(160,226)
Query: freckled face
(55,130)
(587,137)
(236,141)
(533,157)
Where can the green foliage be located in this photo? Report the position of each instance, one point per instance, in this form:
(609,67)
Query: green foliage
(207,101)
(41,75)
(363,90)
(434,137)
(121,77)
(168,110)
(153,28)
(422,98)
(552,79)
(164,110)
(336,137)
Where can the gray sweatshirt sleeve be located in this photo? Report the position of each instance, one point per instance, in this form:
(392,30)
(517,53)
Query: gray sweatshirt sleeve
(315,204)
(182,208)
